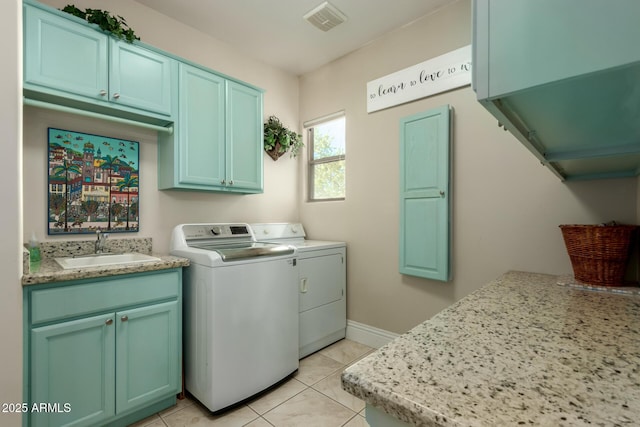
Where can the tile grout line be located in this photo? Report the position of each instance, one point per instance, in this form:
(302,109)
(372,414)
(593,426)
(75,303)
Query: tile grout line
(193,401)
(307,387)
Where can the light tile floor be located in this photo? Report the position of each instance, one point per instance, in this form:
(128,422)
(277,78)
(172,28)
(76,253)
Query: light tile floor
(312,397)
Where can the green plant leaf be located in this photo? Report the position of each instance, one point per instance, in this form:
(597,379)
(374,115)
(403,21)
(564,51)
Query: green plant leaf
(115,25)
(275,132)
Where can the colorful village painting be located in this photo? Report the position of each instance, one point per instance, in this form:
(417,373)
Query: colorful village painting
(93,183)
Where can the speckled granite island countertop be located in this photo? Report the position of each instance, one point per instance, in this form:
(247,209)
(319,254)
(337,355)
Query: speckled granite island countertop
(48,270)
(523,350)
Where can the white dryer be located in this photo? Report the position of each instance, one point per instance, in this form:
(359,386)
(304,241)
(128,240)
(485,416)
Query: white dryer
(322,284)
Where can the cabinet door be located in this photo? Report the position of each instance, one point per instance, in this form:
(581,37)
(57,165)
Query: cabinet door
(201,128)
(578,37)
(148,355)
(73,363)
(424,194)
(63,55)
(321,301)
(140,78)
(322,281)
(244,137)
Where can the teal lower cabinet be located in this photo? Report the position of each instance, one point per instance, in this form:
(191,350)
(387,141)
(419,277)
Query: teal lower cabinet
(102,351)
(378,418)
(73,366)
(145,360)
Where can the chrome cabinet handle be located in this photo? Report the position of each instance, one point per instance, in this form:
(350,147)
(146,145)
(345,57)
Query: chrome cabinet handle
(231,182)
(116,95)
(103,92)
(124,318)
(223,182)
(108,321)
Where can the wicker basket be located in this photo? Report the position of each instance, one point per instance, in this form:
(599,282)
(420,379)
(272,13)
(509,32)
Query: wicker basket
(599,253)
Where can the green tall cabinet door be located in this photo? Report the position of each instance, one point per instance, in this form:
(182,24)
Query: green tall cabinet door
(82,379)
(425,194)
(201,128)
(148,354)
(63,55)
(244,137)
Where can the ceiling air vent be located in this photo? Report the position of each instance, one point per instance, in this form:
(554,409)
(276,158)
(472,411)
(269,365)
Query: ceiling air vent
(325,16)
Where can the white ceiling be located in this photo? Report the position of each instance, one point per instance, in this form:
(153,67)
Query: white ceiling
(275,32)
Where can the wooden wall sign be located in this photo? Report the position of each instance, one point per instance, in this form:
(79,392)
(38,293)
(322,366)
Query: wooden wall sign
(436,75)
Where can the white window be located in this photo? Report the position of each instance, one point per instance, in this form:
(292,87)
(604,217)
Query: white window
(327,157)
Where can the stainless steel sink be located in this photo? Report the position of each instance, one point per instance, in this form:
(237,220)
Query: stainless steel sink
(100,260)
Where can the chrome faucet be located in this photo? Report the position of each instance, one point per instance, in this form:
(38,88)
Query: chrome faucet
(101,241)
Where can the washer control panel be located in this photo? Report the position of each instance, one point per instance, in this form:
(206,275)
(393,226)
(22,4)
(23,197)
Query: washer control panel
(216,231)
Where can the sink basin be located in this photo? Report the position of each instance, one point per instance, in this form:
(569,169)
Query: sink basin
(104,259)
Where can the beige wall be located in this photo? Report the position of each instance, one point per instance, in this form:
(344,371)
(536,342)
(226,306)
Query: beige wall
(11,216)
(162,210)
(506,206)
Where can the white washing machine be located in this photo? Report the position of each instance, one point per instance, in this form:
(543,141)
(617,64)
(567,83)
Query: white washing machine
(322,284)
(240,312)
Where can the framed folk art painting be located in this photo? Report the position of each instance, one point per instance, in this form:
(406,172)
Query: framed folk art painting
(93,183)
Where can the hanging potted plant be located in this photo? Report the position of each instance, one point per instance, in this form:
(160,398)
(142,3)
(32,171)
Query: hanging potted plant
(278,139)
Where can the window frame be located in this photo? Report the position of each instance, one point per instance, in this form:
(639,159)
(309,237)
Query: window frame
(311,162)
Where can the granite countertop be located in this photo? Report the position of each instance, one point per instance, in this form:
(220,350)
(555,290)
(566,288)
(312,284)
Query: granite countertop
(523,350)
(48,270)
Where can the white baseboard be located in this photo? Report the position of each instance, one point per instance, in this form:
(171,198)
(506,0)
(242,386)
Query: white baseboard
(368,335)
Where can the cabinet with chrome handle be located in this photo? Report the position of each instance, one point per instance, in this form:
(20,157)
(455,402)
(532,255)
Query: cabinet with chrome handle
(103,93)
(97,72)
(88,344)
(218,146)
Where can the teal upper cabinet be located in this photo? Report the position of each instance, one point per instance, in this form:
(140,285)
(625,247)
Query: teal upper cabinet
(425,197)
(211,123)
(140,78)
(71,63)
(201,145)
(563,78)
(64,55)
(219,136)
(244,137)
